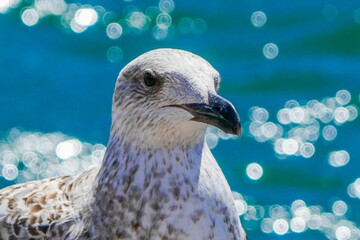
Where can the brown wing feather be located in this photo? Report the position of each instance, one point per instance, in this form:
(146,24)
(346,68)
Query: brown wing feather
(40,209)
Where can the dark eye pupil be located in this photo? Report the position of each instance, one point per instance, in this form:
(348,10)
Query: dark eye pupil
(149,79)
(216,82)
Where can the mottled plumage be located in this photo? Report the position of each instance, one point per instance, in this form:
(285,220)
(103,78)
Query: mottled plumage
(158,179)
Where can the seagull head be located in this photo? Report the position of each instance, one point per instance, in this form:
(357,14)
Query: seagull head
(169,96)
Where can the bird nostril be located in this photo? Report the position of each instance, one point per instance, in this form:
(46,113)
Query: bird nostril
(218,107)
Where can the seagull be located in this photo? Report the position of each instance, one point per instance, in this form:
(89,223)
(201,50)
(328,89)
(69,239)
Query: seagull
(158,178)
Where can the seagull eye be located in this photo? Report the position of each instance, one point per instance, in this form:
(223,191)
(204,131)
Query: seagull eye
(216,82)
(149,78)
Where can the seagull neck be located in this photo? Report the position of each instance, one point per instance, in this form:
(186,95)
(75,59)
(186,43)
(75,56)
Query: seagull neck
(132,179)
(128,167)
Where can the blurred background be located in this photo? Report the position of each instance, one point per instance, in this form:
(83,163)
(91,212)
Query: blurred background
(291,70)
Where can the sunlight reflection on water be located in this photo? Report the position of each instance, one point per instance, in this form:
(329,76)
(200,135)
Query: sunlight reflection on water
(27,156)
(79,18)
(258,18)
(270,50)
(295,130)
(299,127)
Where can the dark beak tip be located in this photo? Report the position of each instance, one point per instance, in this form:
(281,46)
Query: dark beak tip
(219,113)
(237,130)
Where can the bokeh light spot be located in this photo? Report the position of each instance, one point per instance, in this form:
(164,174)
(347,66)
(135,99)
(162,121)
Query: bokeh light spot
(199,26)
(75,27)
(281,226)
(354,189)
(114,54)
(339,158)
(258,114)
(278,212)
(4,6)
(10,172)
(152,12)
(163,20)
(297,204)
(68,149)
(315,221)
(298,115)
(278,146)
(270,50)
(298,224)
(30,17)
(254,171)
(339,208)
(343,97)
(290,146)
(47,7)
(114,30)
(30,159)
(341,114)
(137,20)
(269,129)
(160,33)
(307,150)
(329,133)
(325,114)
(283,116)
(8,157)
(86,17)
(292,104)
(267,225)
(186,25)
(343,233)
(255,129)
(166,6)
(353,112)
(303,212)
(258,19)
(241,206)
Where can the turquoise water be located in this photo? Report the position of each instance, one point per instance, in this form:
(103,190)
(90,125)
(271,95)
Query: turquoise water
(297,164)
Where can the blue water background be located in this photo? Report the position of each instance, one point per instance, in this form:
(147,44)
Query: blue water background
(54,80)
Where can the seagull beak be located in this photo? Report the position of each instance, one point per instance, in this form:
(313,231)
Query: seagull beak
(219,112)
